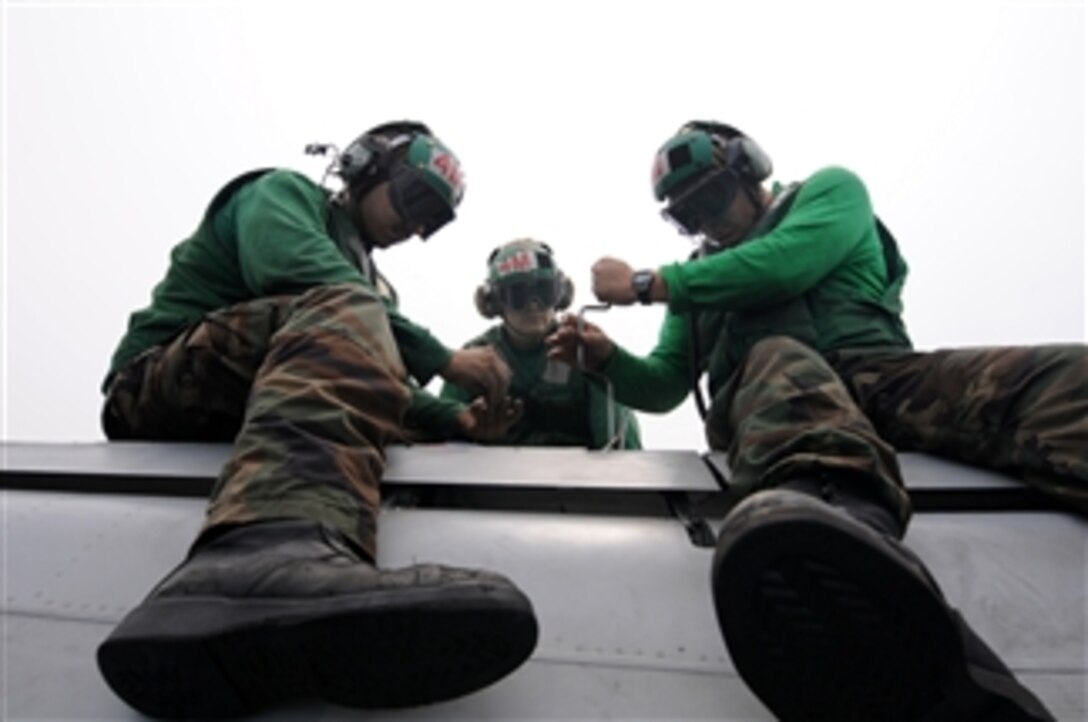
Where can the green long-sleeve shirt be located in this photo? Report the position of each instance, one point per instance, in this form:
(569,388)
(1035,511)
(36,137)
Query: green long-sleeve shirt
(268,233)
(818,269)
(562,407)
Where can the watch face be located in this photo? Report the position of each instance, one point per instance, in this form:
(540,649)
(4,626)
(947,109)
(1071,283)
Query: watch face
(642,282)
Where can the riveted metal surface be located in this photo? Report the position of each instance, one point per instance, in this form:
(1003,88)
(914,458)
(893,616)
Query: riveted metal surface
(627,623)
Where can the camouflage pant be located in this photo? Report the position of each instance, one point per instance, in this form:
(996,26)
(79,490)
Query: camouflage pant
(1018,409)
(787,413)
(309,387)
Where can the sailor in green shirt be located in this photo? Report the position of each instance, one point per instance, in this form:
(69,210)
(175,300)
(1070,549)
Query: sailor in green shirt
(273,329)
(791,306)
(558,404)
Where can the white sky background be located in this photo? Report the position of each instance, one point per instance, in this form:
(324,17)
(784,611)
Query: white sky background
(966,120)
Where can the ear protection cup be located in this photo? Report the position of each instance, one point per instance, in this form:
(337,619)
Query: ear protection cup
(487,304)
(485,298)
(740,152)
(356,160)
(566,292)
(748,160)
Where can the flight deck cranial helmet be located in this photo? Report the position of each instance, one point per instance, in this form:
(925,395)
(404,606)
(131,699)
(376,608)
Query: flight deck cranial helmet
(426,183)
(519,272)
(699,170)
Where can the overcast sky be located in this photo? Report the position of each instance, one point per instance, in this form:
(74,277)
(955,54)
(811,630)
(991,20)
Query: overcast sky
(966,121)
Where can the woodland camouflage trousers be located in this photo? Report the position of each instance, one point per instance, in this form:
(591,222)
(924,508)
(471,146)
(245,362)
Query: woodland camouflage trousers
(789,413)
(310,388)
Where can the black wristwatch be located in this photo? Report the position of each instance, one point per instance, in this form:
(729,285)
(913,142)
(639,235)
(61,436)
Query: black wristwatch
(642,282)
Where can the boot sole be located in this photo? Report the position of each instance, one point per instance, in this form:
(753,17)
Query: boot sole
(216,657)
(824,621)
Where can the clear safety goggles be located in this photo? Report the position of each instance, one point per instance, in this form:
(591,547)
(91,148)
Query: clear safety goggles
(707,199)
(517,295)
(417,202)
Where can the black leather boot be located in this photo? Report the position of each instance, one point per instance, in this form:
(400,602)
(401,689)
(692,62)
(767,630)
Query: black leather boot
(857,497)
(828,618)
(275,611)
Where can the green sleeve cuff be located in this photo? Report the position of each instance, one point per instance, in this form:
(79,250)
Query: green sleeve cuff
(430,418)
(676,281)
(619,365)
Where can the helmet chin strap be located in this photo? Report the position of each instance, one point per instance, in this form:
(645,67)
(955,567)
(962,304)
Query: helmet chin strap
(757,201)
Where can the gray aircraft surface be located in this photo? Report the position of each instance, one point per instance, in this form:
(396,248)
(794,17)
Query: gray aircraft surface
(614,549)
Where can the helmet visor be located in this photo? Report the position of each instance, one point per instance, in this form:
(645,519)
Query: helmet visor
(703,201)
(417,202)
(516,295)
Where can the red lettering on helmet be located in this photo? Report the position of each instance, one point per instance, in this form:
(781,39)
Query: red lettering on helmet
(517,263)
(661,167)
(448,167)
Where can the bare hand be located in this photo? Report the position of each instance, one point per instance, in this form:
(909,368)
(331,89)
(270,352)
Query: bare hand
(564,344)
(480,370)
(612,281)
(482,422)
